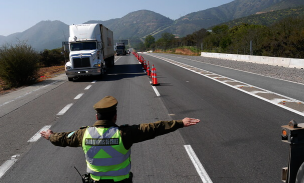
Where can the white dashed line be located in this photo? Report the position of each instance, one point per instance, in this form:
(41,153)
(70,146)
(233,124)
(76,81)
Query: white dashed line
(226,82)
(65,109)
(78,96)
(198,165)
(7,165)
(37,135)
(88,87)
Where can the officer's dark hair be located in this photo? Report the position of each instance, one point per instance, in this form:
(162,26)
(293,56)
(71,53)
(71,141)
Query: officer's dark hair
(106,116)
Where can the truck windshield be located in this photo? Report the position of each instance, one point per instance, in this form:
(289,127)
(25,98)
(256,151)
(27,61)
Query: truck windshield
(83,46)
(120,47)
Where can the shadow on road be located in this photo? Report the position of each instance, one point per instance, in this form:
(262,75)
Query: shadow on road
(116,73)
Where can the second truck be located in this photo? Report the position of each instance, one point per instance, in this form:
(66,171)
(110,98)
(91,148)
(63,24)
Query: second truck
(91,50)
(120,49)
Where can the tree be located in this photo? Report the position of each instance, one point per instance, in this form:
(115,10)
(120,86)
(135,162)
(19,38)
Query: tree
(149,41)
(166,40)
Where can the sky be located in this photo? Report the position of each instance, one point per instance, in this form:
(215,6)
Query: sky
(20,15)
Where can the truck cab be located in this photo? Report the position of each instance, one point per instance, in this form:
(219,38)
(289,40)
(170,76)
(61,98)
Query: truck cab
(89,50)
(120,49)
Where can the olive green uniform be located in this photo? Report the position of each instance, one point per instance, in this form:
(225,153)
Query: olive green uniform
(130,134)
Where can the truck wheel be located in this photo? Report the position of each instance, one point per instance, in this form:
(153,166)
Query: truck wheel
(300,174)
(70,79)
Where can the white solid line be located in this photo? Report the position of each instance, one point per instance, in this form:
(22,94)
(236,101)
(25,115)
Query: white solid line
(8,164)
(78,96)
(250,93)
(28,93)
(37,135)
(88,87)
(197,164)
(65,109)
(156,91)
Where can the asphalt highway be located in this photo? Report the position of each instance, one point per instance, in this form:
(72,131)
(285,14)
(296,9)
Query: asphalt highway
(237,140)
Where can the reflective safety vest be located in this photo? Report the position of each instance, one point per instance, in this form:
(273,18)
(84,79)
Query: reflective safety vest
(105,154)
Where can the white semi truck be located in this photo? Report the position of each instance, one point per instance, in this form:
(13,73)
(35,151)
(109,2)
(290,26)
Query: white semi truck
(91,50)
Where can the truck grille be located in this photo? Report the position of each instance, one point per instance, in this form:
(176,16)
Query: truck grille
(81,62)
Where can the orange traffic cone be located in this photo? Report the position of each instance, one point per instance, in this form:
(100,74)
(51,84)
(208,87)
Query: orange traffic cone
(148,69)
(144,65)
(151,71)
(154,77)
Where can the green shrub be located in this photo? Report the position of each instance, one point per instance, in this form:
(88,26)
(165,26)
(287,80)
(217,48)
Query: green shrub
(18,64)
(51,57)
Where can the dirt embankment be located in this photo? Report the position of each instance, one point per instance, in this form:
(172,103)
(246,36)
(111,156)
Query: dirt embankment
(181,51)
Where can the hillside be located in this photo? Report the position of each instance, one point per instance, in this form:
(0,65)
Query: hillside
(136,24)
(224,13)
(268,18)
(43,35)
(285,4)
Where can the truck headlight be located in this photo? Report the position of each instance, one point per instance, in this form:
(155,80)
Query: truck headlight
(68,68)
(96,65)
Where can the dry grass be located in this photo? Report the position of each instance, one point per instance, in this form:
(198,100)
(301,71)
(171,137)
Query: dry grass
(181,51)
(43,73)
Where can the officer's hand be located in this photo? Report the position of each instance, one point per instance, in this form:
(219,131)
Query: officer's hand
(46,134)
(190,121)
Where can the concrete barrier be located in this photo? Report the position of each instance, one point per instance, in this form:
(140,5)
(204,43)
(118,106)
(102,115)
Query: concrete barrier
(275,61)
(296,63)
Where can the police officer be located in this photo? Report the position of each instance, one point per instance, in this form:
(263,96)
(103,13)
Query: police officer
(106,146)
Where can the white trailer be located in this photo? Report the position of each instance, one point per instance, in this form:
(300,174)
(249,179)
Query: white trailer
(91,50)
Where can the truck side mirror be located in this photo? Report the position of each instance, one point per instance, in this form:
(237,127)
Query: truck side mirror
(293,133)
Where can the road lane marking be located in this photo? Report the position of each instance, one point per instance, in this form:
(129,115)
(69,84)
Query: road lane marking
(28,93)
(241,70)
(156,91)
(37,135)
(65,109)
(198,165)
(291,104)
(78,96)
(88,87)
(118,57)
(8,164)
(94,81)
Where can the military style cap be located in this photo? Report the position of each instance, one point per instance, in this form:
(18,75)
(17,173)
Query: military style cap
(107,104)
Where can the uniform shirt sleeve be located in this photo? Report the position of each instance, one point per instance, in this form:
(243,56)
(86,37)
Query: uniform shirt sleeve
(138,133)
(71,139)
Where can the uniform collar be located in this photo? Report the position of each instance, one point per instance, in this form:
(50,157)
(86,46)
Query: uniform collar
(104,123)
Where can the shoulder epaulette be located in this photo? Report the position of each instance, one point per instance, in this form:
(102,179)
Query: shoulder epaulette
(84,127)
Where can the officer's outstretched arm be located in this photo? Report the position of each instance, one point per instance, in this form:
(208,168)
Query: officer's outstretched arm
(46,134)
(190,121)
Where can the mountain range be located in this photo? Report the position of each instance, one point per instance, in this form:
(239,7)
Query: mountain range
(136,25)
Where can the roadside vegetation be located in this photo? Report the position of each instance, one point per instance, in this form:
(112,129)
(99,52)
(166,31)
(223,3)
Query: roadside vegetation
(284,38)
(21,65)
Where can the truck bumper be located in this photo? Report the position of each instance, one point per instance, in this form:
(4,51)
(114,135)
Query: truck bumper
(83,72)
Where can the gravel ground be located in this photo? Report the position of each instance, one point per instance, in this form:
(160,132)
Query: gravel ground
(289,74)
